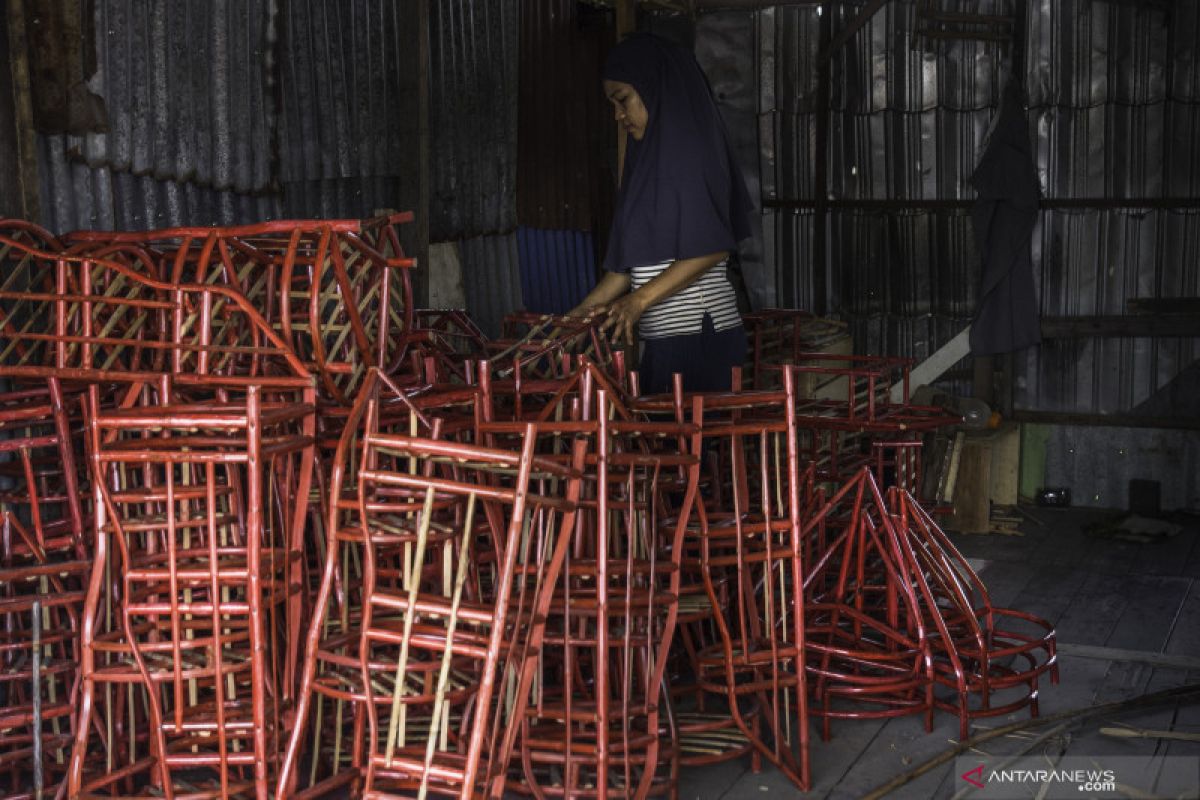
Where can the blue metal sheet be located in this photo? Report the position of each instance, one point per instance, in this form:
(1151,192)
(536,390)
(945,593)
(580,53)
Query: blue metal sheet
(558,268)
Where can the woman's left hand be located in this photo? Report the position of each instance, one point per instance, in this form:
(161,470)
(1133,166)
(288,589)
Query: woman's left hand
(623,316)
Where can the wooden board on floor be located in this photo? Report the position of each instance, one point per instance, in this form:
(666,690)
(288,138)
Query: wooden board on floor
(1187,719)
(1151,613)
(1192,567)
(1167,556)
(900,745)
(1006,464)
(1050,590)
(1185,639)
(811,386)
(1093,612)
(972,489)
(1126,681)
(1005,581)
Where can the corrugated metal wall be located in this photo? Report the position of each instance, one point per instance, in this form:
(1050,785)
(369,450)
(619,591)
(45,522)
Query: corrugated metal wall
(348,82)
(473,148)
(230,112)
(235,111)
(566,145)
(558,268)
(904,125)
(1115,112)
(566,134)
(473,118)
(1098,463)
(491,279)
(721,44)
(1115,106)
(189,120)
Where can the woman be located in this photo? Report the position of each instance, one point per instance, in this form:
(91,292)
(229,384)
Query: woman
(681,209)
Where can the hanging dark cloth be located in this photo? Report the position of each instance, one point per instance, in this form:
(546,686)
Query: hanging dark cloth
(683,194)
(1004,216)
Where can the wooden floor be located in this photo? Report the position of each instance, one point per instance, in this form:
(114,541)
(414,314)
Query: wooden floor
(1103,595)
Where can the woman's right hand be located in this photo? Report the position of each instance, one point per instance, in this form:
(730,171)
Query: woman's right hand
(599,301)
(623,316)
(582,312)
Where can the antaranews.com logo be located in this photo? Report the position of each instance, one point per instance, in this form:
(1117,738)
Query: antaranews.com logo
(998,778)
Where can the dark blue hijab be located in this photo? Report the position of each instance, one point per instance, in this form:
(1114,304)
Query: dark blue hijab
(682,194)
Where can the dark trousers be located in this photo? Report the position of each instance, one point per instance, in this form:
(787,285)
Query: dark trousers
(704,359)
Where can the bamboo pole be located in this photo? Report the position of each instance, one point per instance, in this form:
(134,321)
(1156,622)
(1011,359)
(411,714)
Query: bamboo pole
(439,700)
(36,679)
(397,723)
(1189,693)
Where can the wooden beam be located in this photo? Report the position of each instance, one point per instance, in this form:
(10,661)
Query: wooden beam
(673,6)
(1050,204)
(10,153)
(26,172)
(1167,660)
(820,262)
(970,19)
(850,30)
(1109,420)
(626,24)
(423,146)
(1163,305)
(870,204)
(962,36)
(1122,326)
(626,17)
(752,5)
(1122,202)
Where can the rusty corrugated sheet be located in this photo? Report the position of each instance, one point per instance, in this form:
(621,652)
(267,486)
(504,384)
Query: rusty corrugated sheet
(59,44)
(566,135)
(491,279)
(15,172)
(188,120)
(76,196)
(907,121)
(220,113)
(349,73)
(788,42)
(473,117)
(183,87)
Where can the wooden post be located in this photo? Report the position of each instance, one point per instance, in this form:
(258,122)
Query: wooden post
(1005,398)
(626,24)
(626,17)
(423,205)
(820,258)
(984,382)
(18,141)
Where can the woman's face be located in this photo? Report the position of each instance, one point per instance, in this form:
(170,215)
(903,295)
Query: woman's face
(630,112)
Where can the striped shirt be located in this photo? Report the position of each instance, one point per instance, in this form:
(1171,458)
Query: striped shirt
(682,313)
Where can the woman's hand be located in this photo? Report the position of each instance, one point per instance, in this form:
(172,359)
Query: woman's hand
(610,287)
(623,316)
(582,312)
